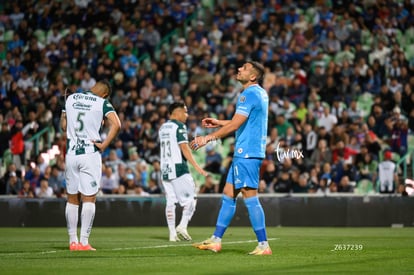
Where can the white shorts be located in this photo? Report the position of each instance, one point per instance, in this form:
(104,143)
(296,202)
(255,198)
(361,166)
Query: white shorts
(181,189)
(83,173)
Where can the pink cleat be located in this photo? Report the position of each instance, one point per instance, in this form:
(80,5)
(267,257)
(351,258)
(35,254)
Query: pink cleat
(87,247)
(73,246)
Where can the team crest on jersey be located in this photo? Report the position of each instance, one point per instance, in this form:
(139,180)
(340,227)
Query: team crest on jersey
(242,99)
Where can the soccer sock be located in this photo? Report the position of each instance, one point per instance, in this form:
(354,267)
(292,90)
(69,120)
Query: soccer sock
(227,210)
(72,215)
(87,217)
(188,212)
(257,218)
(170,215)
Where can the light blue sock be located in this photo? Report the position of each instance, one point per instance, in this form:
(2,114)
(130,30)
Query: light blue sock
(227,210)
(257,217)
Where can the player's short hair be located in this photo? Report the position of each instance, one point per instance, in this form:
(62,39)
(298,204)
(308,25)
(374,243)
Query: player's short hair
(259,69)
(174,106)
(107,85)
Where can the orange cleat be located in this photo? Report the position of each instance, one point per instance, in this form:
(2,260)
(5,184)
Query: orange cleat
(87,247)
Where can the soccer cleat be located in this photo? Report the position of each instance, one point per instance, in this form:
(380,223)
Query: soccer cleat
(183,234)
(87,247)
(174,238)
(261,251)
(73,246)
(208,245)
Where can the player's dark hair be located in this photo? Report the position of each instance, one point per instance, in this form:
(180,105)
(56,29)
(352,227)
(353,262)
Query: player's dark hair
(108,86)
(174,106)
(259,70)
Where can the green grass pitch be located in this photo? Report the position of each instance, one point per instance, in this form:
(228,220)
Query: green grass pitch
(145,250)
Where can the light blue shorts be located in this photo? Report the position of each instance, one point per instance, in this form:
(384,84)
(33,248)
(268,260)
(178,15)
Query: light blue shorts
(244,173)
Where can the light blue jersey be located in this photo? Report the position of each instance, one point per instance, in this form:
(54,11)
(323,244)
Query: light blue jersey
(253,103)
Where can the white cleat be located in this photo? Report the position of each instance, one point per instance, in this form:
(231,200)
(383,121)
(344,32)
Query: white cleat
(183,234)
(174,238)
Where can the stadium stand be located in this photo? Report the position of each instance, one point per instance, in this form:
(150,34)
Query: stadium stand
(93,39)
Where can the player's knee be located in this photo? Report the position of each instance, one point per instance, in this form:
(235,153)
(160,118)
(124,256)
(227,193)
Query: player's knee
(229,190)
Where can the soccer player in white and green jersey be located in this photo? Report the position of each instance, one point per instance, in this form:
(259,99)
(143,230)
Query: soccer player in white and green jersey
(82,119)
(177,181)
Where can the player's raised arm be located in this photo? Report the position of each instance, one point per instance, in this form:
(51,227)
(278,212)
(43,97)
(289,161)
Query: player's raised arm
(213,122)
(228,127)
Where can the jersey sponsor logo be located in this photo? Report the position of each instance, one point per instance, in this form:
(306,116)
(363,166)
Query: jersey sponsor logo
(85,97)
(242,99)
(81,106)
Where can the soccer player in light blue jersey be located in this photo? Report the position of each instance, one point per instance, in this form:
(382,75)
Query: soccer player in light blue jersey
(250,124)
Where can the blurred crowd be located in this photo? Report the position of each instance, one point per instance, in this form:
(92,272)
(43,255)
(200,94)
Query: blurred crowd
(339,76)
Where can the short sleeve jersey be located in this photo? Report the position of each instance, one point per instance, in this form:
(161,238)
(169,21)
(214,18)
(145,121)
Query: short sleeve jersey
(252,134)
(386,172)
(173,164)
(84,114)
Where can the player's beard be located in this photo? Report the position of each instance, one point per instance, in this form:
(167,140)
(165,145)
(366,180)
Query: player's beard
(241,79)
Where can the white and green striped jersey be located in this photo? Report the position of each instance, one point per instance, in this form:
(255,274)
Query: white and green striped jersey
(173,164)
(84,114)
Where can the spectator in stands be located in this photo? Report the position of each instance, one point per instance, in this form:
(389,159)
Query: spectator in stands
(4,140)
(345,185)
(17,144)
(13,184)
(302,184)
(27,191)
(209,186)
(367,168)
(129,62)
(155,174)
(283,183)
(269,175)
(327,120)
(44,190)
(153,187)
(213,160)
(322,154)
(71,52)
(109,183)
(56,181)
(387,174)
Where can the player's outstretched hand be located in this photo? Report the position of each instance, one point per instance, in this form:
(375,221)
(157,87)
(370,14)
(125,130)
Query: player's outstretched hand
(210,123)
(198,142)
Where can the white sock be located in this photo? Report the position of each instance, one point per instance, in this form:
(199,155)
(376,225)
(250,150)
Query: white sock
(72,216)
(188,212)
(215,239)
(87,216)
(263,244)
(170,215)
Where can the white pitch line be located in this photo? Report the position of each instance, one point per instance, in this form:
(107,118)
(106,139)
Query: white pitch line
(129,248)
(180,245)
